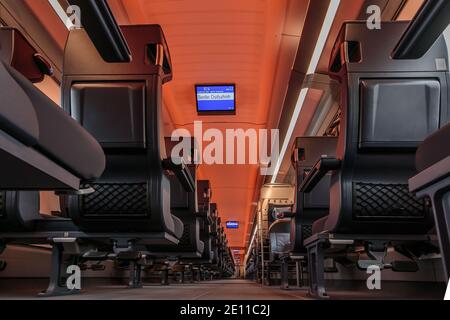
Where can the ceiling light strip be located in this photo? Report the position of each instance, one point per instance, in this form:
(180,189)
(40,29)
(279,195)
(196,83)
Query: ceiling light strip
(321,41)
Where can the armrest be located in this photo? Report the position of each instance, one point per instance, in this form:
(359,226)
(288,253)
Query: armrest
(320,169)
(430,176)
(181,172)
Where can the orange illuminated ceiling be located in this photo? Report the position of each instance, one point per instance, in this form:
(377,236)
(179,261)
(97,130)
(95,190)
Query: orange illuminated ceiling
(410,9)
(231,41)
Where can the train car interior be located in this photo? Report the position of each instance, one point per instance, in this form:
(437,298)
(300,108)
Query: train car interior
(224,150)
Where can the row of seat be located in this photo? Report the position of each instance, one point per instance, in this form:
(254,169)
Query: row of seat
(122,197)
(352,187)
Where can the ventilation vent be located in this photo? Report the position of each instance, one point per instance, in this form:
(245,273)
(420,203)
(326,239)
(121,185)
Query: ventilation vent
(116,200)
(381,201)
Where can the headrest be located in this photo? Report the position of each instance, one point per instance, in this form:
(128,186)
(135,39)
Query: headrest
(148,48)
(358,49)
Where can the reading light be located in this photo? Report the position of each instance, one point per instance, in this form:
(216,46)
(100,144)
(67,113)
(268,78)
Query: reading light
(61,14)
(325,31)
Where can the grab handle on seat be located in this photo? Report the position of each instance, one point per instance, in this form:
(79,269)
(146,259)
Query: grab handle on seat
(320,169)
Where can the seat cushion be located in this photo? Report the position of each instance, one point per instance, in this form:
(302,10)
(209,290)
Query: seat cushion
(319,225)
(434,149)
(178,227)
(17,115)
(61,138)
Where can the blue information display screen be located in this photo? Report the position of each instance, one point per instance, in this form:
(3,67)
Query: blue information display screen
(232,225)
(216,98)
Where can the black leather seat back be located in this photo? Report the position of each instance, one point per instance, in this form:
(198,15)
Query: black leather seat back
(181,201)
(214,232)
(184,204)
(120,104)
(204,195)
(388,107)
(315,205)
